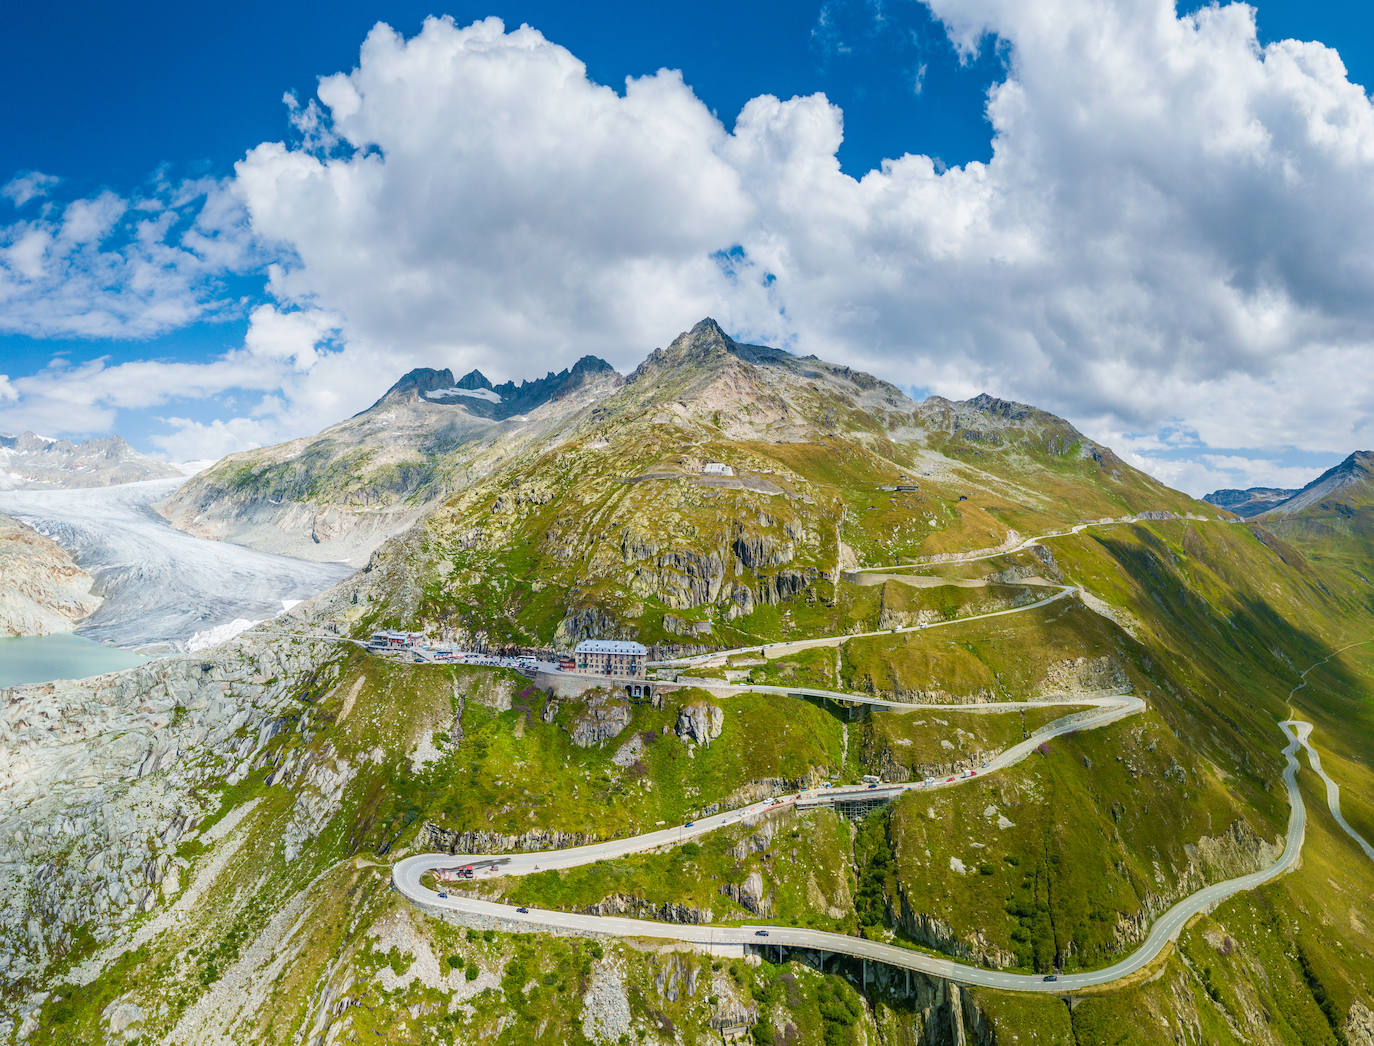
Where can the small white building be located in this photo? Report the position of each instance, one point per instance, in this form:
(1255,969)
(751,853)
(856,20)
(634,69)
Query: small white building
(717,468)
(611,657)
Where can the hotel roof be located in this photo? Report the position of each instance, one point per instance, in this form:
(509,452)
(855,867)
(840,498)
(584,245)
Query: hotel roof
(611,646)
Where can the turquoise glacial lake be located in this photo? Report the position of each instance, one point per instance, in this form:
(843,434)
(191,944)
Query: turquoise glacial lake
(37,659)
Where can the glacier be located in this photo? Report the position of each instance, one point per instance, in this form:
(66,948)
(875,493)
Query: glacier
(163,587)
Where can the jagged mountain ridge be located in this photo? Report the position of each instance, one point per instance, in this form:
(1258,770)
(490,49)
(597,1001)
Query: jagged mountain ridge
(475,393)
(32,462)
(1248,502)
(1349,484)
(339,494)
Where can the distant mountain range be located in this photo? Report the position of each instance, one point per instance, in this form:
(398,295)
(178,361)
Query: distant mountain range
(1249,502)
(32,462)
(337,495)
(1352,477)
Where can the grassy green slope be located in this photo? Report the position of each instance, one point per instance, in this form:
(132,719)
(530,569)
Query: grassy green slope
(1061,860)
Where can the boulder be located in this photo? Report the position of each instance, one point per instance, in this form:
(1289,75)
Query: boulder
(700,722)
(749,894)
(602,718)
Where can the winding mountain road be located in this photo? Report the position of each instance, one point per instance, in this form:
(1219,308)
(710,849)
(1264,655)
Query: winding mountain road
(793,646)
(408,873)
(943,559)
(1333,791)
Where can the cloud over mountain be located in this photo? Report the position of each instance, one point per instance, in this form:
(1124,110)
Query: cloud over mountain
(1171,243)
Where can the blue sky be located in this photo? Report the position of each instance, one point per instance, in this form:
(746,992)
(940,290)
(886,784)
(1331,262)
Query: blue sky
(204,309)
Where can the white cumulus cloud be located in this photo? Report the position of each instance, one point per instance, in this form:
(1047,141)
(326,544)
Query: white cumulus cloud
(1175,223)
(274,367)
(1175,233)
(114,267)
(31,185)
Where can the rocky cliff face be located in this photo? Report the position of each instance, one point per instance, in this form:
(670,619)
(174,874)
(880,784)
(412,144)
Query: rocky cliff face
(103,779)
(433,837)
(42,590)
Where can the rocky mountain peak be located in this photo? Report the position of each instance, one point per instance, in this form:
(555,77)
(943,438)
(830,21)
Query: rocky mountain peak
(589,366)
(473,379)
(1362,461)
(27,442)
(703,343)
(1007,409)
(416,383)
(699,350)
(1350,481)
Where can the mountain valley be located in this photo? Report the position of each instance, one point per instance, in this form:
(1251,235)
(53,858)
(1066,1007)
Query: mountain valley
(201,849)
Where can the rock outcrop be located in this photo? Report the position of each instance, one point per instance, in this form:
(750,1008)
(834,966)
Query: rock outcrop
(434,837)
(700,722)
(42,590)
(639,908)
(602,716)
(749,894)
(104,778)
